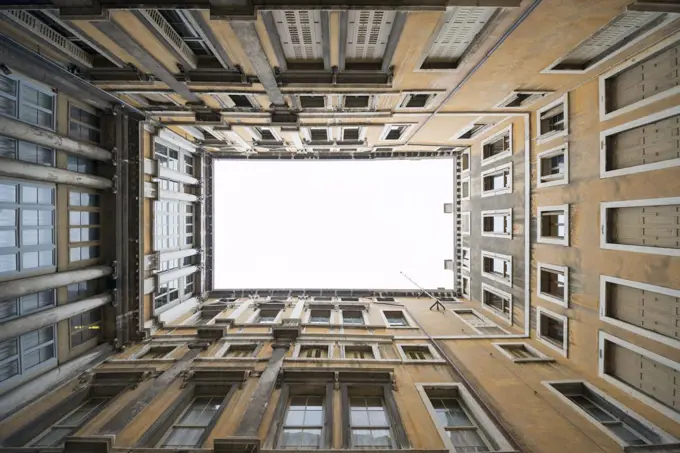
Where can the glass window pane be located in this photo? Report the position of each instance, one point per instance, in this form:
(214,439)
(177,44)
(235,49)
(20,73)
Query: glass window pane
(8,263)
(44,218)
(8,238)
(8,107)
(46,258)
(29,260)
(9,369)
(8,192)
(8,309)
(45,196)
(467,440)
(29,217)
(74,218)
(625,434)
(183,437)
(9,349)
(53,438)
(8,86)
(8,217)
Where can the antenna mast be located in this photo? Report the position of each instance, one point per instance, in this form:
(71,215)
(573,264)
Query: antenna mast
(437,304)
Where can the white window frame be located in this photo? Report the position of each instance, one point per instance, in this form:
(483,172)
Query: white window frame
(604,214)
(258,138)
(463,180)
(465,290)
(479,416)
(327,102)
(486,254)
(604,314)
(406,96)
(552,152)
(539,286)
(462,223)
(388,127)
(489,323)
(362,133)
(485,126)
(491,289)
(602,337)
(564,350)
(540,357)
(139,355)
(229,344)
(604,173)
(503,132)
(308,315)
(374,347)
(298,347)
(404,357)
(491,171)
(256,315)
(544,137)
(410,324)
(548,239)
(361,309)
(462,258)
(503,212)
(26,374)
(372,98)
(307,133)
(535,96)
(465,171)
(643,421)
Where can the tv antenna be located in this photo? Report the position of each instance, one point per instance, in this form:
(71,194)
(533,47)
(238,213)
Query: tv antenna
(437,304)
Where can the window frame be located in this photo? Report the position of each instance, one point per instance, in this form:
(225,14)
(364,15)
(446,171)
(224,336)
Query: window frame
(465,290)
(364,317)
(257,137)
(604,222)
(534,95)
(431,350)
(23,373)
(539,285)
(488,323)
(604,314)
(388,127)
(362,134)
(223,350)
(462,223)
(207,429)
(644,121)
(539,356)
(307,134)
(97,334)
(564,350)
(406,96)
(490,276)
(542,239)
(372,98)
(465,171)
(614,402)
(493,138)
(139,355)
(500,293)
(409,322)
(299,346)
(492,171)
(107,400)
(373,346)
(463,180)
(41,88)
(463,260)
(327,104)
(307,319)
(96,243)
(18,304)
(497,212)
(544,137)
(87,109)
(255,317)
(550,153)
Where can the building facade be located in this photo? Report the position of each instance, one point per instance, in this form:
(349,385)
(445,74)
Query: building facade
(560,121)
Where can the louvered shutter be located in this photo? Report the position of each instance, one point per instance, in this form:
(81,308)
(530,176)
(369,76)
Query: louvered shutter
(300,33)
(646,309)
(368,33)
(650,226)
(655,142)
(462,25)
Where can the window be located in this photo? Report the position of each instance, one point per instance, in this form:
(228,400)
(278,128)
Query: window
(319,316)
(622,424)
(465,161)
(352,317)
(186,31)
(619,34)
(552,120)
(241,101)
(189,429)
(416,100)
(318,134)
(77,291)
(309,102)
(497,223)
(303,423)
(85,326)
(472,131)
(465,257)
(359,352)
(497,181)
(368,33)
(189,224)
(84,225)
(465,223)
(351,134)
(647,376)
(167,156)
(521,99)
(21,306)
(498,146)
(497,301)
(189,285)
(27,152)
(189,164)
(395,319)
(466,286)
(166,293)
(313,352)
(27,237)
(553,330)
(240,351)
(300,33)
(157,352)
(393,131)
(457,30)
(648,310)
(67,426)
(646,144)
(521,353)
(22,354)
(356,101)
(644,226)
(27,101)
(465,189)
(81,165)
(479,323)
(553,225)
(167,225)
(497,267)
(84,125)
(266,134)
(553,167)
(553,283)
(416,352)
(369,423)
(268,316)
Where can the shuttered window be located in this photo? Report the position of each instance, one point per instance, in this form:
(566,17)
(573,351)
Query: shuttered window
(647,78)
(368,33)
(462,24)
(300,33)
(478,322)
(498,301)
(498,267)
(497,181)
(648,226)
(644,308)
(650,377)
(615,35)
(643,145)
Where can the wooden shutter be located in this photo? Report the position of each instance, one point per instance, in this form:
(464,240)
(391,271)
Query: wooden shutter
(649,310)
(300,33)
(654,142)
(463,23)
(650,226)
(368,33)
(659,73)
(656,380)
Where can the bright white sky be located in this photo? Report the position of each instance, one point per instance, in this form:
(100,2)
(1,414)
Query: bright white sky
(332,224)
